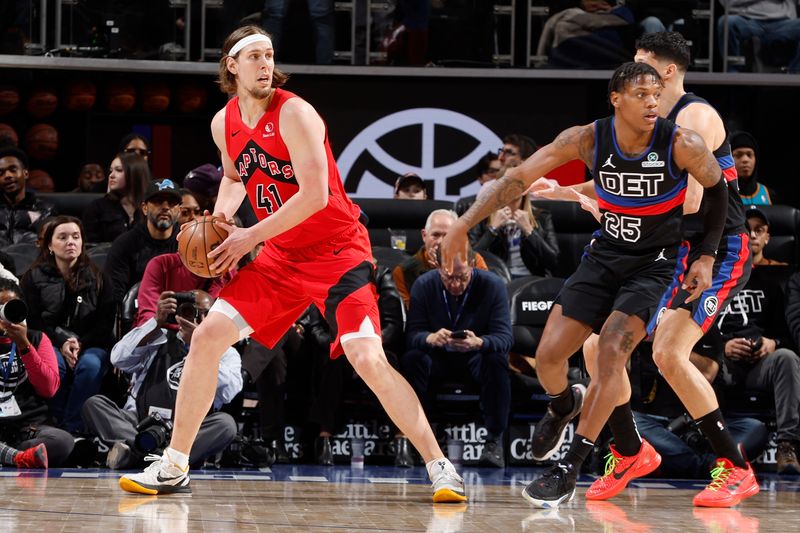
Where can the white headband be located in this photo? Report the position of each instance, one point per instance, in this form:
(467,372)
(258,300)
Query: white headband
(250,39)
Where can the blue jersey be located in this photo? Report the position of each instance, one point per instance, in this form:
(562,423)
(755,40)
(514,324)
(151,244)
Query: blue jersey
(640,197)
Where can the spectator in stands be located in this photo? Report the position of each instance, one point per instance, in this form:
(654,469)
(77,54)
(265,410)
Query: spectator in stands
(336,373)
(166,273)
(436,227)
(459,325)
(516,149)
(744,150)
(521,235)
(21,213)
(772,21)
(132,250)
(190,207)
(410,186)
(655,16)
(69,299)
(91,179)
(757,340)
(591,34)
(135,143)
(29,381)
(108,217)
(661,419)
(204,182)
(758,223)
(487,170)
(155,356)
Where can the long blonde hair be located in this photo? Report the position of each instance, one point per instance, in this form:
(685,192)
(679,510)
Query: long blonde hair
(526,206)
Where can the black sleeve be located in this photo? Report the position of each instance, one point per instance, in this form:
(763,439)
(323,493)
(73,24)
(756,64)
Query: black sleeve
(716,211)
(539,250)
(33,299)
(793,308)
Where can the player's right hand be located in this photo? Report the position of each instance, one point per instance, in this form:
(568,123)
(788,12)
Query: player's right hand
(238,243)
(454,245)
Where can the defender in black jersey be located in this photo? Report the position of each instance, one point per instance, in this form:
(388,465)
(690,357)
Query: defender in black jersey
(639,163)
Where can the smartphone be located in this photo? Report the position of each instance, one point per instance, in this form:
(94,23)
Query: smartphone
(460,334)
(757,343)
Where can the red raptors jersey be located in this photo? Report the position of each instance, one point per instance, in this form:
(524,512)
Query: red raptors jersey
(262,161)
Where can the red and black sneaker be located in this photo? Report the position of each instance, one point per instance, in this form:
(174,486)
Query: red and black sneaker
(621,469)
(729,485)
(35,457)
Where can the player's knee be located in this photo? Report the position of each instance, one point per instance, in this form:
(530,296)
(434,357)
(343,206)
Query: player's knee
(368,364)
(666,359)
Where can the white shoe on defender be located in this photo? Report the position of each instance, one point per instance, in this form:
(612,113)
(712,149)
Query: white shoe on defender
(161,477)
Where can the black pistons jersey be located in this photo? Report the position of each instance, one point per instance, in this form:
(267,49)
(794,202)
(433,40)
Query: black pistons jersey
(640,197)
(735,220)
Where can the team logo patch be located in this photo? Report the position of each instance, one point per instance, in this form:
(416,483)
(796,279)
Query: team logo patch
(174,374)
(269,130)
(652,161)
(710,305)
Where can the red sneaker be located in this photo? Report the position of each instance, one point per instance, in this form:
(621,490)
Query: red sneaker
(35,457)
(729,485)
(622,469)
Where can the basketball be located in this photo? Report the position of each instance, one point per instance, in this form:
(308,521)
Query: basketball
(80,95)
(120,96)
(9,132)
(155,97)
(42,102)
(191,98)
(9,99)
(197,239)
(41,141)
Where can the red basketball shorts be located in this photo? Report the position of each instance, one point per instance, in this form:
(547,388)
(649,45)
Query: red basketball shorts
(338,276)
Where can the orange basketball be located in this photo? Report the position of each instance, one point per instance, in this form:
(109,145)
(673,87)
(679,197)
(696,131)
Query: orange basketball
(120,96)
(197,239)
(41,141)
(80,95)
(42,102)
(155,97)
(9,132)
(191,98)
(9,99)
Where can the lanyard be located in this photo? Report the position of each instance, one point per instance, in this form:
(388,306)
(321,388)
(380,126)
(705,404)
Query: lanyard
(460,306)
(7,368)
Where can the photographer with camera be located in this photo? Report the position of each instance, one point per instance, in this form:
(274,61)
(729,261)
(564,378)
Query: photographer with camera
(70,300)
(155,355)
(28,379)
(757,353)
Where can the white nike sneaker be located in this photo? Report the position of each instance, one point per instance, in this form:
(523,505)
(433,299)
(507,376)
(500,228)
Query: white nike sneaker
(448,487)
(161,477)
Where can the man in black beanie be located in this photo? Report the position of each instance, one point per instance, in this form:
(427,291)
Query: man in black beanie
(744,149)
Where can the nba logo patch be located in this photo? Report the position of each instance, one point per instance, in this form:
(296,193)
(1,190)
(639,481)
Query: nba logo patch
(710,305)
(269,130)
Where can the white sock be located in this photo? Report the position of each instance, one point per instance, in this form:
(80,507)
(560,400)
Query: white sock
(181,460)
(433,464)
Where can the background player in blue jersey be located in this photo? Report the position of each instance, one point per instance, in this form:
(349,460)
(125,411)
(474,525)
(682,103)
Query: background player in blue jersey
(639,163)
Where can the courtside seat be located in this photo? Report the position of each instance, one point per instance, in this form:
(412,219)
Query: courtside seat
(784,224)
(24,254)
(496,265)
(408,216)
(70,203)
(531,299)
(574,228)
(388,257)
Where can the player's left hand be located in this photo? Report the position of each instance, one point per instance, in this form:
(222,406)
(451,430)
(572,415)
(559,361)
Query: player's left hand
(454,245)
(238,242)
(698,279)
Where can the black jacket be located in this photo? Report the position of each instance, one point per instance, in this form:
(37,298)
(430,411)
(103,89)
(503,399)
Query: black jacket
(129,255)
(105,219)
(88,312)
(16,224)
(539,250)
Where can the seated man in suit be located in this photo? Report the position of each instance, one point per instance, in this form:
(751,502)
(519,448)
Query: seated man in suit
(460,324)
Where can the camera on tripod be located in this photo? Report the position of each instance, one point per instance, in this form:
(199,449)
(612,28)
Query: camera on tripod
(186,307)
(152,433)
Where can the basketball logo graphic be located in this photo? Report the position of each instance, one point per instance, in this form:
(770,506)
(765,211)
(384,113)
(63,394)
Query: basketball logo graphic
(411,141)
(710,305)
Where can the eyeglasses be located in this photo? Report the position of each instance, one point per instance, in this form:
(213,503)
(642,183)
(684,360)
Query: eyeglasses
(507,151)
(453,278)
(140,151)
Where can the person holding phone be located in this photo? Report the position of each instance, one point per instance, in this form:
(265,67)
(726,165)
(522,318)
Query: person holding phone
(459,328)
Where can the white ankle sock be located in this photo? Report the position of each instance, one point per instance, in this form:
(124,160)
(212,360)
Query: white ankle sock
(181,460)
(430,465)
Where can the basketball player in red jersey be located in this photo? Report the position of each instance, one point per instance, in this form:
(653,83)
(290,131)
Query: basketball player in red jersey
(275,151)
